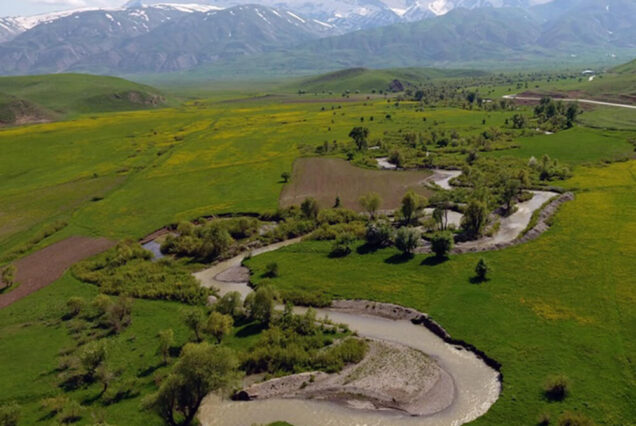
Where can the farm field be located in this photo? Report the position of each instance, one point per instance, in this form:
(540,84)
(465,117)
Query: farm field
(563,304)
(327,178)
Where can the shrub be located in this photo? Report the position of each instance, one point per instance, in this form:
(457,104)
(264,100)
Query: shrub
(310,208)
(285,176)
(407,240)
(166,340)
(442,244)
(71,412)
(195,321)
(556,387)
(342,246)
(230,304)
(481,270)
(219,325)
(9,414)
(119,314)
(574,419)
(271,270)
(75,305)
(102,304)
(92,356)
(8,276)
(337,215)
(259,305)
(543,419)
(379,234)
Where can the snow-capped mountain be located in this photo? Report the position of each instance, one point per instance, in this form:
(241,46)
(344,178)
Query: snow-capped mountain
(154,38)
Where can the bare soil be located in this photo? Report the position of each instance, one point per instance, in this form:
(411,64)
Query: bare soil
(327,178)
(45,266)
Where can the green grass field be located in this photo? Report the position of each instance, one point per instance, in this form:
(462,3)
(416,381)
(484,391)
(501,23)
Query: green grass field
(561,304)
(575,146)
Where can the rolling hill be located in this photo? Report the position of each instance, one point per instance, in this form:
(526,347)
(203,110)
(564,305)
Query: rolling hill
(368,80)
(628,68)
(43,98)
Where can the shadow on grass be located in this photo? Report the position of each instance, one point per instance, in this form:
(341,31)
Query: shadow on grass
(151,369)
(250,330)
(478,280)
(366,249)
(433,261)
(398,259)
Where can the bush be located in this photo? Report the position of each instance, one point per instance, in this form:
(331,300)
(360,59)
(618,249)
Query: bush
(259,305)
(271,270)
(310,208)
(91,357)
(379,235)
(337,215)
(219,325)
(442,244)
(75,305)
(574,419)
(481,270)
(475,218)
(543,419)
(7,278)
(342,246)
(102,303)
(230,304)
(9,414)
(557,387)
(407,240)
(127,270)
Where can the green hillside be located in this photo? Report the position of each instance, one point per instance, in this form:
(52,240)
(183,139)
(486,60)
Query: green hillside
(48,97)
(368,80)
(628,68)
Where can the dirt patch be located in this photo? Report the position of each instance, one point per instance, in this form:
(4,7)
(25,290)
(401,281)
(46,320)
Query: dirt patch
(236,274)
(43,267)
(391,376)
(327,178)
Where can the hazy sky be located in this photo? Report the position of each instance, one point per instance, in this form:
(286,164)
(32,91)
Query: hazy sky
(34,7)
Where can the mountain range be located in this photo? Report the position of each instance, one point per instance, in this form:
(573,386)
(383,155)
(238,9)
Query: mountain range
(301,36)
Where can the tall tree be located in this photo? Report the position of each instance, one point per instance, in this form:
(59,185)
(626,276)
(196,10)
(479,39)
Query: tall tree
(359,136)
(201,369)
(371,203)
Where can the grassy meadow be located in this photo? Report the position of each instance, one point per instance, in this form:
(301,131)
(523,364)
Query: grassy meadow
(561,304)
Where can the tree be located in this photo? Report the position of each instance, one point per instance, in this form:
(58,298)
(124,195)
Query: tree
(407,240)
(216,240)
(481,270)
(359,136)
(8,276)
(510,191)
(474,219)
(219,325)
(230,304)
(195,321)
(166,340)
(260,305)
(557,387)
(411,205)
(518,121)
(371,203)
(571,113)
(285,176)
(442,244)
(310,208)
(201,369)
